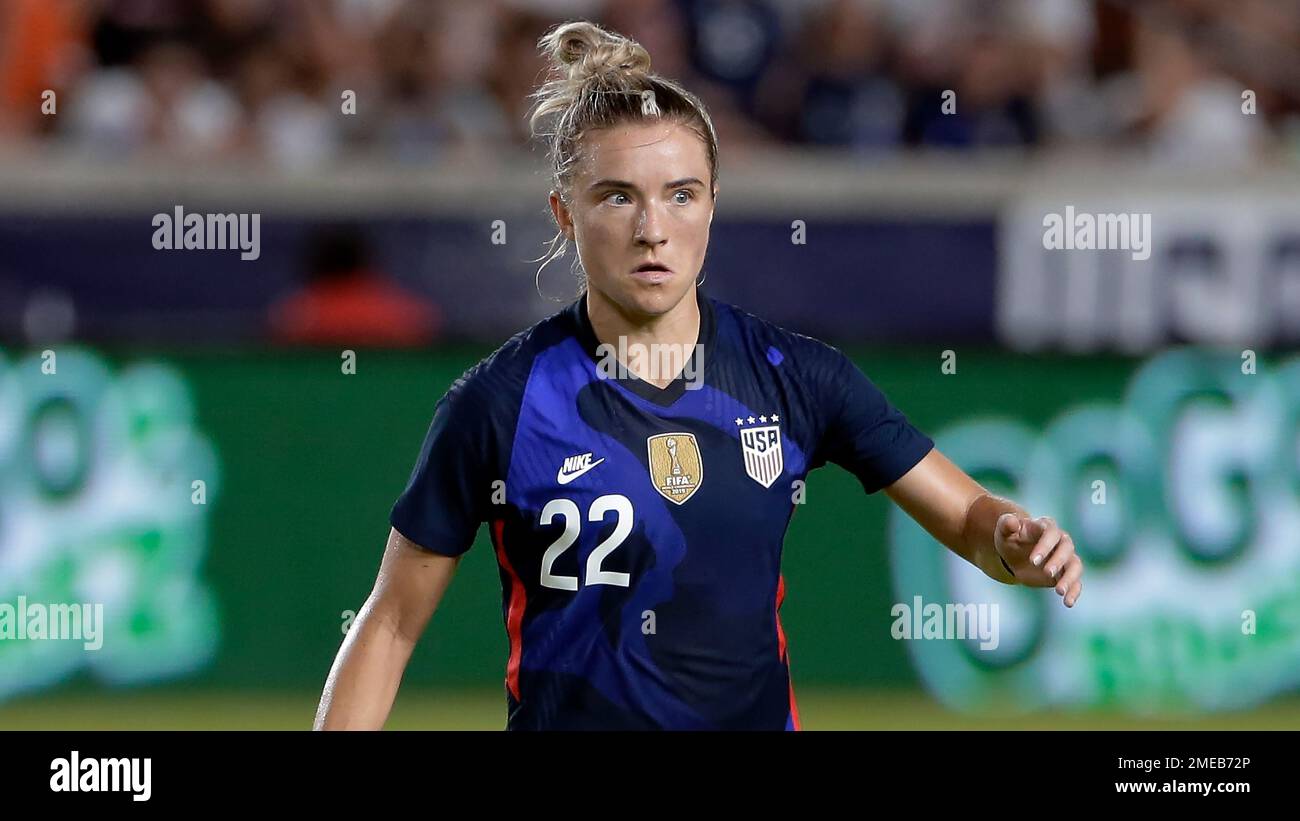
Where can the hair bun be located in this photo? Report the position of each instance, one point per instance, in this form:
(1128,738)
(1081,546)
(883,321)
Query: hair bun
(584,50)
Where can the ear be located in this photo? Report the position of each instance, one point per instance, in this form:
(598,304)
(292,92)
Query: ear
(561,212)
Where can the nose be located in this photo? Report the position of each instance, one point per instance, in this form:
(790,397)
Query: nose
(649,228)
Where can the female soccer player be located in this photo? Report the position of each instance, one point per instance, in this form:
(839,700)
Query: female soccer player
(638,518)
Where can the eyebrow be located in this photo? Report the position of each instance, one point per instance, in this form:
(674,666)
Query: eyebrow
(625,184)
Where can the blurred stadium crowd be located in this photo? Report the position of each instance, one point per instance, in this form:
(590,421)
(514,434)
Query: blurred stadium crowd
(262,80)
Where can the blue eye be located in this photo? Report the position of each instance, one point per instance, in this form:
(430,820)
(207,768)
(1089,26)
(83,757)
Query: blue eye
(615,194)
(689,195)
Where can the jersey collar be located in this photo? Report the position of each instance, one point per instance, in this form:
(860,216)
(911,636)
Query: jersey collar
(669,394)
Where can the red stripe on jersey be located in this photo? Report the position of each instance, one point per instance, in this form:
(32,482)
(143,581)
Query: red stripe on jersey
(794,707)
(515,615)
(780,634)
(785,657)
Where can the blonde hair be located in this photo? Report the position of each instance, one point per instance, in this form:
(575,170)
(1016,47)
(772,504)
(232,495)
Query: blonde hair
(599,79)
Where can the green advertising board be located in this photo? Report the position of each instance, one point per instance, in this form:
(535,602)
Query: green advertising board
(228,509)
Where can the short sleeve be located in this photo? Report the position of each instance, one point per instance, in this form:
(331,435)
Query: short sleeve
(864,433)
(445,499)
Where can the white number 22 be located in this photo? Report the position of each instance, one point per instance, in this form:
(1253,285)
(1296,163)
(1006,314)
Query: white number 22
(572,523)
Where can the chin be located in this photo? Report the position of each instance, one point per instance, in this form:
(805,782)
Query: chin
(638,298)
(652,300)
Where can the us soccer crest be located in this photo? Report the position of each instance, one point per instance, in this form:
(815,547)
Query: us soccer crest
(676,468)
(760,446)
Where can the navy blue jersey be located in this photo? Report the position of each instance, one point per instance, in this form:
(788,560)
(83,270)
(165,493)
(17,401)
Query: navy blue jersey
(638,530)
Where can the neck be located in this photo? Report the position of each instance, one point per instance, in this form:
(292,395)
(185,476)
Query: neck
(676,330)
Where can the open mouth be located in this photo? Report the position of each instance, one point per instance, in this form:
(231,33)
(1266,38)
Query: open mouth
(652,267)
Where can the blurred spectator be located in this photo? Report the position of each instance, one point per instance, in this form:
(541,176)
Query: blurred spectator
(284,122)
(41,47)
(971,80)
(164,101)
(835,88)
(348,301)
(517,70)
(659,25)
(410,59)
(733,43)
(1189,114)
(125,29)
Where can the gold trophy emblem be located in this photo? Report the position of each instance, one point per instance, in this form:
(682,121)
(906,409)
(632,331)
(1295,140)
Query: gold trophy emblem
(672,452)
(676,467)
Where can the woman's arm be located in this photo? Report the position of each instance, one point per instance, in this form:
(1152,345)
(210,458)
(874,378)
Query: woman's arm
(994,534)
(368,669)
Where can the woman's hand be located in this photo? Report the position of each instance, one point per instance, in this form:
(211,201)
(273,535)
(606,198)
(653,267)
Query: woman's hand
(1040,554)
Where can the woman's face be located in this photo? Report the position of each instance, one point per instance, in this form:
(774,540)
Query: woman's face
(640,195)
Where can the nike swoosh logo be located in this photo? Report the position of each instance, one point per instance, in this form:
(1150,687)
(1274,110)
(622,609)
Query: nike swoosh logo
(564,478)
